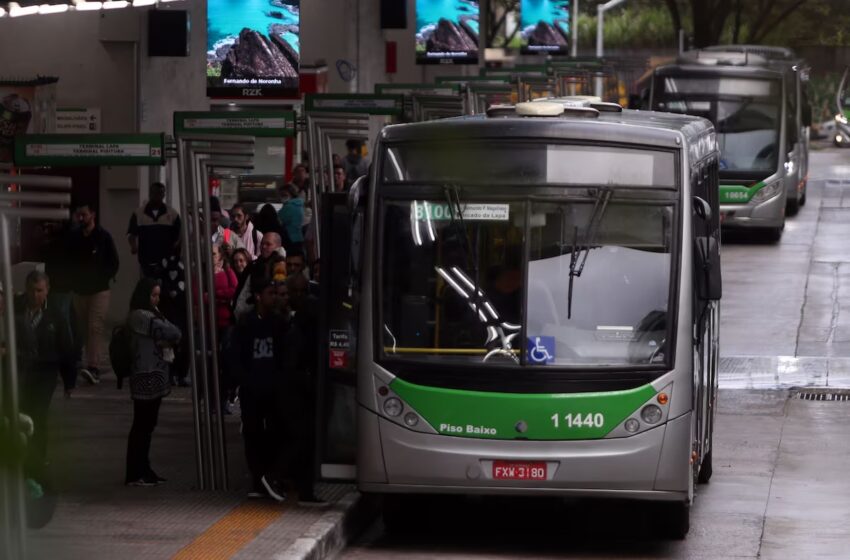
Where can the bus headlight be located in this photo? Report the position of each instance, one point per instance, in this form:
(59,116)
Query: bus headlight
(768,191)
(632,425)
(841,118)
(651,414)
(393,407)
(411,419)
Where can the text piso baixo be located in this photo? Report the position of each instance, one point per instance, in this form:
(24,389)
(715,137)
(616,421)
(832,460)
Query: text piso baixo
(467,429)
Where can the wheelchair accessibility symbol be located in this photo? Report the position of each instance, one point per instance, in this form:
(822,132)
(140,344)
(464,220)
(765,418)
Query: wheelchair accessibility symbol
(541,349)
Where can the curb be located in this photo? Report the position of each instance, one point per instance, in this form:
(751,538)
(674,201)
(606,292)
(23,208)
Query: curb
(346,519)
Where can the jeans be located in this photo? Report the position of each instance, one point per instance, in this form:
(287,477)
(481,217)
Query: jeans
(145,415)
(91,316)
(36,393)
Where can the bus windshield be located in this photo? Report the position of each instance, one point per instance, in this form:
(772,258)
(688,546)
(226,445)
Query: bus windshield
(579,282)
(746,114)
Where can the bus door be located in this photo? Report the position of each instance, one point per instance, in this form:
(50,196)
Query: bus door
(336,403)
(707,293)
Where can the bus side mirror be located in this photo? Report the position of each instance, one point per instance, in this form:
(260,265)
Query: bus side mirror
(702,209)
(357,192)
(807,116)
(707,270)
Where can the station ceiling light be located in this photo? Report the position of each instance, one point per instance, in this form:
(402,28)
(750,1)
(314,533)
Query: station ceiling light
(42,7)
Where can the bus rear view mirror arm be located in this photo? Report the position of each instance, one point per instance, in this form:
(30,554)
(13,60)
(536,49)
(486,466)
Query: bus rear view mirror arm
(702,208)
(708,278)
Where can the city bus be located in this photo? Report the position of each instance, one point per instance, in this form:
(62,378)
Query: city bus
(796,73)
(750,104)
(536,300)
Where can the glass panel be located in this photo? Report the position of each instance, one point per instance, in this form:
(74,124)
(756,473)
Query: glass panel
(452,287)
(721,86)
(617,310)
(528,164)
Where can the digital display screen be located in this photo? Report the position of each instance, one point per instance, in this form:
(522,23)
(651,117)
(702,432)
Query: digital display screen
(545,26)
(253,48)
(447,31)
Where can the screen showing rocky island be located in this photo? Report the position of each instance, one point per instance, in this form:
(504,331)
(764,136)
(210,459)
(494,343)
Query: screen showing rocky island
(253,48)
(545,26)
(447,31)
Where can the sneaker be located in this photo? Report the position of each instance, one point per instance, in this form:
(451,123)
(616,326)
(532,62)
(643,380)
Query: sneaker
(91,376)
(144,481)
(311,500)
(274,488)
(156,478)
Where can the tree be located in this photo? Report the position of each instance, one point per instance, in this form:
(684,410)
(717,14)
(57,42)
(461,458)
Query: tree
(710,18)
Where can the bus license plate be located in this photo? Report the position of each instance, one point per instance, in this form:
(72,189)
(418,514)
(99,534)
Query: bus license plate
(510,470)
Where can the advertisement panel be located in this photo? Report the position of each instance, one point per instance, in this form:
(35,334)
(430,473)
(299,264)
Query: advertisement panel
(25,107)
(447,31)
(253,48)
(545,26)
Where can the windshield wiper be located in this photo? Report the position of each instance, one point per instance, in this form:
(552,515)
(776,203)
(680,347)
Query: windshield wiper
(580,252)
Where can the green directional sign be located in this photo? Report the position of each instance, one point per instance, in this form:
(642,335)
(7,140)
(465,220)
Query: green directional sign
(473,79)
(362,103)
(269,124)
(89,149)
(417,89)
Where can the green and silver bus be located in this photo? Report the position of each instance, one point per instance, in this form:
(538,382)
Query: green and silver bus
(537,306)
(796,74)
(751,105)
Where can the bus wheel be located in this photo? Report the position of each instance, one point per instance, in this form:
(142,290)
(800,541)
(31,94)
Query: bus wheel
(705,469)
(773,235)
(400,514)
(792,207)
(675,520)
(803,198)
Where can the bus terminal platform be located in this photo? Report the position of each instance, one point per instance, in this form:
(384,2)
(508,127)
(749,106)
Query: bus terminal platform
(98,517)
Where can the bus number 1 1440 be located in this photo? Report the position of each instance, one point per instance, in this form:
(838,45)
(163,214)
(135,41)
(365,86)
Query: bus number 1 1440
(578,420)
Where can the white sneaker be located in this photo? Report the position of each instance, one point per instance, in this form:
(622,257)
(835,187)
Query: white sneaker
(90,377)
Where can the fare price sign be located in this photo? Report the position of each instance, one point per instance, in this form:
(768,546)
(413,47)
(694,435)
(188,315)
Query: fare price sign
(89,149)
(268,124)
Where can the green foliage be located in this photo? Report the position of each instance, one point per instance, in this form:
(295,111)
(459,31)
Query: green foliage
(822,93)
(214,70)
(632,27)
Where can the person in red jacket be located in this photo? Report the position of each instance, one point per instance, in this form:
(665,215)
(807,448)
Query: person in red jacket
(225,282)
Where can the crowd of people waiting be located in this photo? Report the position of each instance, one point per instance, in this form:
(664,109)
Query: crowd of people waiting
(266,321)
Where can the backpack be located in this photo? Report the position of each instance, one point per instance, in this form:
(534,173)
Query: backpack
(121,353)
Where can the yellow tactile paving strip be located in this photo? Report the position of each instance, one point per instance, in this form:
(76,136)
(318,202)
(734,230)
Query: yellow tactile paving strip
(231,533)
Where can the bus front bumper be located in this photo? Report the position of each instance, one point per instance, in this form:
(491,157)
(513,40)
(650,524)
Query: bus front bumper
(768,214)
(653,465)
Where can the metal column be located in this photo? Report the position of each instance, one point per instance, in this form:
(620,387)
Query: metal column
(194,162)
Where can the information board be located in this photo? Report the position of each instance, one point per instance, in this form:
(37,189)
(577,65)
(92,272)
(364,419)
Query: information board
(253,48)
(545,26)
(89,149)
(447,31)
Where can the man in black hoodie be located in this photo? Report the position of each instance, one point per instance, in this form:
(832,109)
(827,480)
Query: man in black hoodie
(264,358)
(96,264)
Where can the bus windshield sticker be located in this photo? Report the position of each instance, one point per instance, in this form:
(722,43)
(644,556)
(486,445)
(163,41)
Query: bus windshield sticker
(440,211)
(541,349)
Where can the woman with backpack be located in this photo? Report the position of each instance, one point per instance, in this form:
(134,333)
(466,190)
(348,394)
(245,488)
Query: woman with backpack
(152,342)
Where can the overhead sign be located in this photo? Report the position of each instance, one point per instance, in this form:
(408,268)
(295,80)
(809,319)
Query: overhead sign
(78,121)
(89,149)
(355,103)
(447,31)
(545,26)
(253,48)
(419,89)
(250,123)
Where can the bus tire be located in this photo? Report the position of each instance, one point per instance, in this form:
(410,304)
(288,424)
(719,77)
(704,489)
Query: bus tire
(792,207)
(675,520)
(705,469)
(397,514)
(803,198)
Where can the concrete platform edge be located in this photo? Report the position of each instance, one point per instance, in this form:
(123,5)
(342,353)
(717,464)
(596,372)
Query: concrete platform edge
(344,521)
